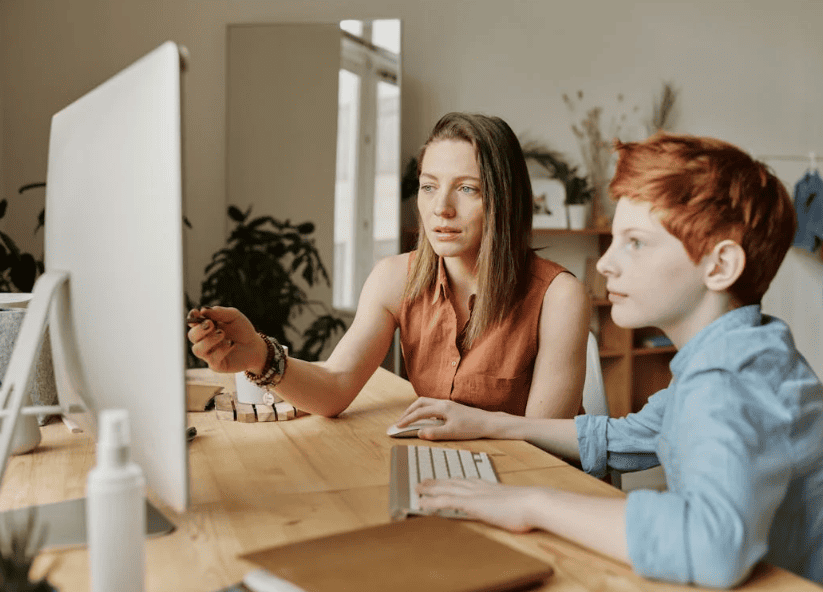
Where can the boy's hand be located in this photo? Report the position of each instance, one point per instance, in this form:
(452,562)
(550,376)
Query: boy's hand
(505,506)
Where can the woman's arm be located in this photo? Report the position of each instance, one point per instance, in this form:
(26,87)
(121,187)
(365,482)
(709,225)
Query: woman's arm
(558,436)
(560,366)
(324,388)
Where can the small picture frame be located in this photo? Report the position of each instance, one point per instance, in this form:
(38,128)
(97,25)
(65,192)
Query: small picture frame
(549,203)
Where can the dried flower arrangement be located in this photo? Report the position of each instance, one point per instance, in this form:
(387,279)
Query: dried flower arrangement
(663,113)
(595,149)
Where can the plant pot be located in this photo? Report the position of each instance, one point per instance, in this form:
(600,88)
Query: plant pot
(577,216)
(42,391)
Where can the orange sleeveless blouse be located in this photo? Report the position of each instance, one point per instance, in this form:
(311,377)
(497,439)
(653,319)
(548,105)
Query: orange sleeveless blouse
(495,374)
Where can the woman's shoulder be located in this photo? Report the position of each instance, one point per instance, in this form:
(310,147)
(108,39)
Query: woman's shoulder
(394,264)
(544,269)
(387,281)
(566,290)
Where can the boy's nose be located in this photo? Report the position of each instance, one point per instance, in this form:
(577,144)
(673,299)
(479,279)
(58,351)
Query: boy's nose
(605,265)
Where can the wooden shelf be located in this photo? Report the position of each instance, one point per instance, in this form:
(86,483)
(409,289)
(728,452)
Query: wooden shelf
(569,232)
(645,351)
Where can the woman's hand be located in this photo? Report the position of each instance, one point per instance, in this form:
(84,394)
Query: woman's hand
(506,506)
(225,339)
(461,421)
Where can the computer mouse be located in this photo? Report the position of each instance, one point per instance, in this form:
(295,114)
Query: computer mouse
(410,431)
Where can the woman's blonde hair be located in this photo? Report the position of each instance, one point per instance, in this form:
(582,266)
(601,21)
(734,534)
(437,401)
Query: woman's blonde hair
(507,205)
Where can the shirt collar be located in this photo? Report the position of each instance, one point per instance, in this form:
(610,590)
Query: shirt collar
(441,288)
(745,316)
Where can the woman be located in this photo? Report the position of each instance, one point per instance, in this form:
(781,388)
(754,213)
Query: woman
(483,321)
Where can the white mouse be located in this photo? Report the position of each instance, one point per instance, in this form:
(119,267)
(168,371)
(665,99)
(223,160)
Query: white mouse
(410,431)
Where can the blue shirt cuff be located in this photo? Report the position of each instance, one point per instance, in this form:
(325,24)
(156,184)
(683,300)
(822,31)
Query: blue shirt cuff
(591,441)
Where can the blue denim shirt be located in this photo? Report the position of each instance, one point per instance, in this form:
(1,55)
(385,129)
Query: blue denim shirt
(739,432)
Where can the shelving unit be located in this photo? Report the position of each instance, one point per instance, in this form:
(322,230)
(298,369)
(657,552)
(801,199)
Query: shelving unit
(631,372)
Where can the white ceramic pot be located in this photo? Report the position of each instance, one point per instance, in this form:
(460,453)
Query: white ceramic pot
(26,435)
(248,392)
(577,216)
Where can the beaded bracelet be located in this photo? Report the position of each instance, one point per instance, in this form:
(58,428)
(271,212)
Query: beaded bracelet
(274,367)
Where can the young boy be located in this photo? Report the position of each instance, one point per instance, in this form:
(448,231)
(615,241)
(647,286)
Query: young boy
(699,231)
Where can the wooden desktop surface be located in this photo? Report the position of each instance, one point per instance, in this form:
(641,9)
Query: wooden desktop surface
(262,484)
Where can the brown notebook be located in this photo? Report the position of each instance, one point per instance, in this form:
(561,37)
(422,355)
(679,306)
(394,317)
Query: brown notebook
(427,554)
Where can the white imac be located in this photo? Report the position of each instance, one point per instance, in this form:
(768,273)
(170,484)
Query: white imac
(113,286)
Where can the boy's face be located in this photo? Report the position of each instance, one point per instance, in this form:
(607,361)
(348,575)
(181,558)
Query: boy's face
(650,278)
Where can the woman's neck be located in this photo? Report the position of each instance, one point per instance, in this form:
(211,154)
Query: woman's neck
(462,275)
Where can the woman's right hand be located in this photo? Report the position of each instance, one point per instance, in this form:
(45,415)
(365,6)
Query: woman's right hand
(225,339)
(461,422)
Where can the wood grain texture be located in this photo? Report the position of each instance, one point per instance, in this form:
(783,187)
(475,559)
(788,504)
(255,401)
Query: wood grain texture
(268,483)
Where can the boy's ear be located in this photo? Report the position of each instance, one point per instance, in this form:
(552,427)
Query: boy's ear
(724,265)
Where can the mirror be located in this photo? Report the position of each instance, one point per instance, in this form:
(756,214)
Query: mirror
(313,124)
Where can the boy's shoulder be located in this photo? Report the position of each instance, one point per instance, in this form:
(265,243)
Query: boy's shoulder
(761,356)
(743,338)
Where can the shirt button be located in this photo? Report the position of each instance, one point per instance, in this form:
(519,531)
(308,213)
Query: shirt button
(454,363)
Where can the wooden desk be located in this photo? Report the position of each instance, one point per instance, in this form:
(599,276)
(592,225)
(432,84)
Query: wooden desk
(261,484)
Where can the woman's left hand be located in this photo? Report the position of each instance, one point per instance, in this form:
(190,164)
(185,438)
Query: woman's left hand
(461,422)
(506,506)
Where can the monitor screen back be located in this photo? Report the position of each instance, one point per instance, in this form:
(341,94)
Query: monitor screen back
(114,223)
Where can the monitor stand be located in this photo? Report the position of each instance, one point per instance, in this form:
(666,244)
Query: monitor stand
(65,522)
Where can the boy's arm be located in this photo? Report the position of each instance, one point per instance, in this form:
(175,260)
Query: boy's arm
(624,444)
(728,465)
(595,522)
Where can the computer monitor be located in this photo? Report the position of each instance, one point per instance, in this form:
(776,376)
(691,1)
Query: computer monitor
(113,283)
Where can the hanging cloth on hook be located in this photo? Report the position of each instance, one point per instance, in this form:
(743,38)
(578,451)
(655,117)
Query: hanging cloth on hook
(808,202)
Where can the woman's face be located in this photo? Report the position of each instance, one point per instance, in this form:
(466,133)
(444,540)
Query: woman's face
(450,199)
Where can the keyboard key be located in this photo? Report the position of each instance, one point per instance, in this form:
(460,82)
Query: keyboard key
(428,462)
(469,469)
(441,470)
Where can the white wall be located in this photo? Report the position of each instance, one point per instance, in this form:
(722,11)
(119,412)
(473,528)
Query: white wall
(749,72)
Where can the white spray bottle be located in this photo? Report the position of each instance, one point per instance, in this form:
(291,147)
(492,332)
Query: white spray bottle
(116,510)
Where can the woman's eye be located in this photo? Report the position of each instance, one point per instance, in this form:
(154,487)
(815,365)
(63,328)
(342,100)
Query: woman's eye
(426,188)
(468,189)
(635,244)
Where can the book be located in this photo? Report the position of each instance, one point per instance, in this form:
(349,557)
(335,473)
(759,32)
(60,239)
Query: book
(429,553)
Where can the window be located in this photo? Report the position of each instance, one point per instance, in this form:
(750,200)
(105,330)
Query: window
(367,191)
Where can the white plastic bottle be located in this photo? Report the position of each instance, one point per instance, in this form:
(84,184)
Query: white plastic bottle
(116,510)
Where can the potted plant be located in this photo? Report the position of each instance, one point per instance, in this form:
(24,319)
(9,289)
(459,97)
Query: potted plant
(18,550)
(18,270)
(260,272)
(578,191)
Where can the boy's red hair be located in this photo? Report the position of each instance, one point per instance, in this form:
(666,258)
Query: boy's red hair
(710,191)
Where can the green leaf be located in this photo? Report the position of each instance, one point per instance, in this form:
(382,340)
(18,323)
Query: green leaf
(236,215)
(24,272)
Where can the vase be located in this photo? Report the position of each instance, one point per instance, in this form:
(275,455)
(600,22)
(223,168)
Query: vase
(42,391)
(577,216)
